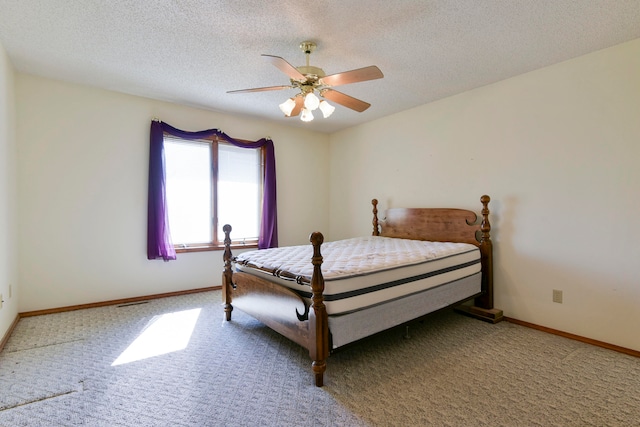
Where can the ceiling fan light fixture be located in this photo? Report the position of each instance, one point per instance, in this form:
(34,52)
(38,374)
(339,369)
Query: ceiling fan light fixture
(287,106)
(311,101)
(306,115)
(326,108)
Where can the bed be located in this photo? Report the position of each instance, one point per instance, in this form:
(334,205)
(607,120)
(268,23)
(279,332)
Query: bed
(324,296)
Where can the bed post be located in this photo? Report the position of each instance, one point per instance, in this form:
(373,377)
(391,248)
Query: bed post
(486,248)
(376,229)
(227,274)
(318,319)
(483,305)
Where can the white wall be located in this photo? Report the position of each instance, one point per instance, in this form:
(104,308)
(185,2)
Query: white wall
(8,197)
(557,150)
(82,177)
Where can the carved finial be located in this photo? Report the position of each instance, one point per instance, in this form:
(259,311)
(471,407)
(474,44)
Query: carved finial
(227,238)
(376,229)
(316,238)
(226,256)
(485,226)
(317,282)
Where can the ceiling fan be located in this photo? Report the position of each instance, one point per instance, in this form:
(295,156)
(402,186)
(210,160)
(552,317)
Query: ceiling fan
(309,80)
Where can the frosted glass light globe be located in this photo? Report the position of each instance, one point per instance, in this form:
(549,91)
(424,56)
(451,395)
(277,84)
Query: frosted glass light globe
(306,115)
(326,108)
(311,101)
(287,106)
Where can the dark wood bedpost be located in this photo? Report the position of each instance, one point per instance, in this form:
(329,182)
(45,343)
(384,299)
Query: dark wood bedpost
(486,249)
(318,319)
(483,305)
(227,274)
(376,228)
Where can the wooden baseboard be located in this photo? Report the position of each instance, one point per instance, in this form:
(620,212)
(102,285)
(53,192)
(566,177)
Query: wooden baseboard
(116,302)
(597,343)
(9,332)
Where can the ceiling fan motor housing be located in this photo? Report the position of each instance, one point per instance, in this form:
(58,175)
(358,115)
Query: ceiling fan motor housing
(311,72)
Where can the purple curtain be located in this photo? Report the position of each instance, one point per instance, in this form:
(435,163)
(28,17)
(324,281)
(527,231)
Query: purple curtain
(159,243)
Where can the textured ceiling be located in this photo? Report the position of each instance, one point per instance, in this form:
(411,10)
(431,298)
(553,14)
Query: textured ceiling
(193,51)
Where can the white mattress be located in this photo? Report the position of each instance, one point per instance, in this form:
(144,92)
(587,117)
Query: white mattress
(363,272)
(353,326)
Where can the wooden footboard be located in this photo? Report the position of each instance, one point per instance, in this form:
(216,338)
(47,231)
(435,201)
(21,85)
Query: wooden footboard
(276,306)
(280,308)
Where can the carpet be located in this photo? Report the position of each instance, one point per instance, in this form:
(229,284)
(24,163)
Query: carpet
(73,368)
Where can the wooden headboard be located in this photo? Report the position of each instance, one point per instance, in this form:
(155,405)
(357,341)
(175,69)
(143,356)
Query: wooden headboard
(435,224)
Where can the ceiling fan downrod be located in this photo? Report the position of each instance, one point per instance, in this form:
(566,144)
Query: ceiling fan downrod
(308,48)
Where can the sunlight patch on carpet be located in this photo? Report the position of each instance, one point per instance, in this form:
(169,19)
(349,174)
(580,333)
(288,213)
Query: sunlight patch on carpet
(163,334)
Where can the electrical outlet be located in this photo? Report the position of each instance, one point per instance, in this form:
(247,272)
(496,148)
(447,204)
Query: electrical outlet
(557,296)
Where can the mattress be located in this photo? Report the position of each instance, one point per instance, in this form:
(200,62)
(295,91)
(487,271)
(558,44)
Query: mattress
(350,327)
(364,272)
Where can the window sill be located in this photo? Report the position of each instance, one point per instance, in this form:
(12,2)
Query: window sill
(205,248)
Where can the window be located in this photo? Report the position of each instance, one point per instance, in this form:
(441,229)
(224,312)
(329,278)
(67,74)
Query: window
(159,241)
(210,183)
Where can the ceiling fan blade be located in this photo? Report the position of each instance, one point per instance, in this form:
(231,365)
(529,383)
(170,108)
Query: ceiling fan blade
(345,100)
(360,75)
(299,105)
(285,67)
(260,89)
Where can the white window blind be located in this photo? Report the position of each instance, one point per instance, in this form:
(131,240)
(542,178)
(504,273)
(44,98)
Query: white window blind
(239,191)
(189,190)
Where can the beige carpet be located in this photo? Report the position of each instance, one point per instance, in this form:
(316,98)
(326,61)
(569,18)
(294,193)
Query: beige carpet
(59,370)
